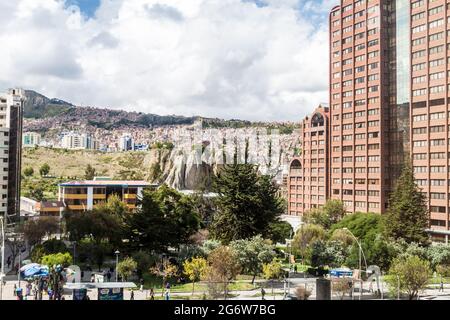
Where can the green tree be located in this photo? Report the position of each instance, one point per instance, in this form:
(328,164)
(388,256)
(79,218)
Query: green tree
(223,267)
(439,255)
(410,275)
(407,215)
(247,203)
(44,170)
(166,218)
(252,254)
(332,212)
(28,171)
(35,230)
(343,236)
(35,192)
(332,254)
(89,173)
(100,224)
(94,251)
(305,237)
(144,261)
(272,271)
(63,259)
(368,228)
(280,231)
(195,269)
(165,270)
(126,268)
(37,253)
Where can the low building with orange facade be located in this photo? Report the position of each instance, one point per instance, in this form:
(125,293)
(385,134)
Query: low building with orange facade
(308,178)
(80,196)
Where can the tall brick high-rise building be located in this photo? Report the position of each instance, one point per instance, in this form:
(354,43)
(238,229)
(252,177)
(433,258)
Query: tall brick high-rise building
(389,99)
(308,179)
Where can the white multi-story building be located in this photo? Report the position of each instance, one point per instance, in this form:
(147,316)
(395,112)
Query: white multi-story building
(73,140)
(31,139)
(126,143)
(11,119)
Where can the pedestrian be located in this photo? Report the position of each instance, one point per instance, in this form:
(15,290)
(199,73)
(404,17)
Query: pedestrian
(295,269)
(152,294)
(263,293)
(167,295)
(132,295)
(142,284)
(441,287)
(15,289)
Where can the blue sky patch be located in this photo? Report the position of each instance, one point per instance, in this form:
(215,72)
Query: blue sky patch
(87,7)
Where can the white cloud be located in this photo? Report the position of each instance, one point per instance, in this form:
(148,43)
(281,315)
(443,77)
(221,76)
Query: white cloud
(216,58)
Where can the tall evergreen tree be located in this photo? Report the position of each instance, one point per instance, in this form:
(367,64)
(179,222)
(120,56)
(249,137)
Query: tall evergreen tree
(166,218)
(247,203)
(407,216)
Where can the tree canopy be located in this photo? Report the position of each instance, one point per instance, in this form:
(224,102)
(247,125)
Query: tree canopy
(247,203)
(252,254)
(332,212)
(166,218)
(407,215)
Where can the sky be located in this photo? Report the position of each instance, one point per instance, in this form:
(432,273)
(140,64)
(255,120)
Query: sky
(261,60)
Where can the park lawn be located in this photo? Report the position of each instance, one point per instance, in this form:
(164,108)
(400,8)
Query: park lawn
(188,297)
(155,282)
(300,267)
(437,280)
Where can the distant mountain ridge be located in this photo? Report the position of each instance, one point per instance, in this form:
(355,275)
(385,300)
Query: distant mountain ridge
(46,113)
(39,106)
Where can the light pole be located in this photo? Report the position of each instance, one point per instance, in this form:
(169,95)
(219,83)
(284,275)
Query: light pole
(117,264)
(361,253)
(20,262)
(2,272)
(74,247)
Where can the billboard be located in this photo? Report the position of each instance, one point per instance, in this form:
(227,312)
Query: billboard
(110,294)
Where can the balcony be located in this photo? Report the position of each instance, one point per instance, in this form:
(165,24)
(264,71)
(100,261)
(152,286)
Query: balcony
(77,207)
(75,196)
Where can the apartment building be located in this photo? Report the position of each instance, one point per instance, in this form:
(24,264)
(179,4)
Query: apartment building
(77,141)
(126,143)
(308,178)
(359,105)
(389,75)
(11,119)
(31,139)
(79,196)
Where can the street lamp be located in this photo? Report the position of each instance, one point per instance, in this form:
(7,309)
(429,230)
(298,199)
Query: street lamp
(74,251)
(117,263)
(361,252)
(20,262)
(2,272)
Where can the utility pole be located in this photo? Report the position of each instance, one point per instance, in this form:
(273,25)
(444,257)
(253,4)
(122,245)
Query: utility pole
(2,272)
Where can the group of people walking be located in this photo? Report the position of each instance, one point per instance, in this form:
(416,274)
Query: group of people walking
(37,289)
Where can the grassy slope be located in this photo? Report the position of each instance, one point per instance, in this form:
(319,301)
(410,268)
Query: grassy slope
(68,163)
